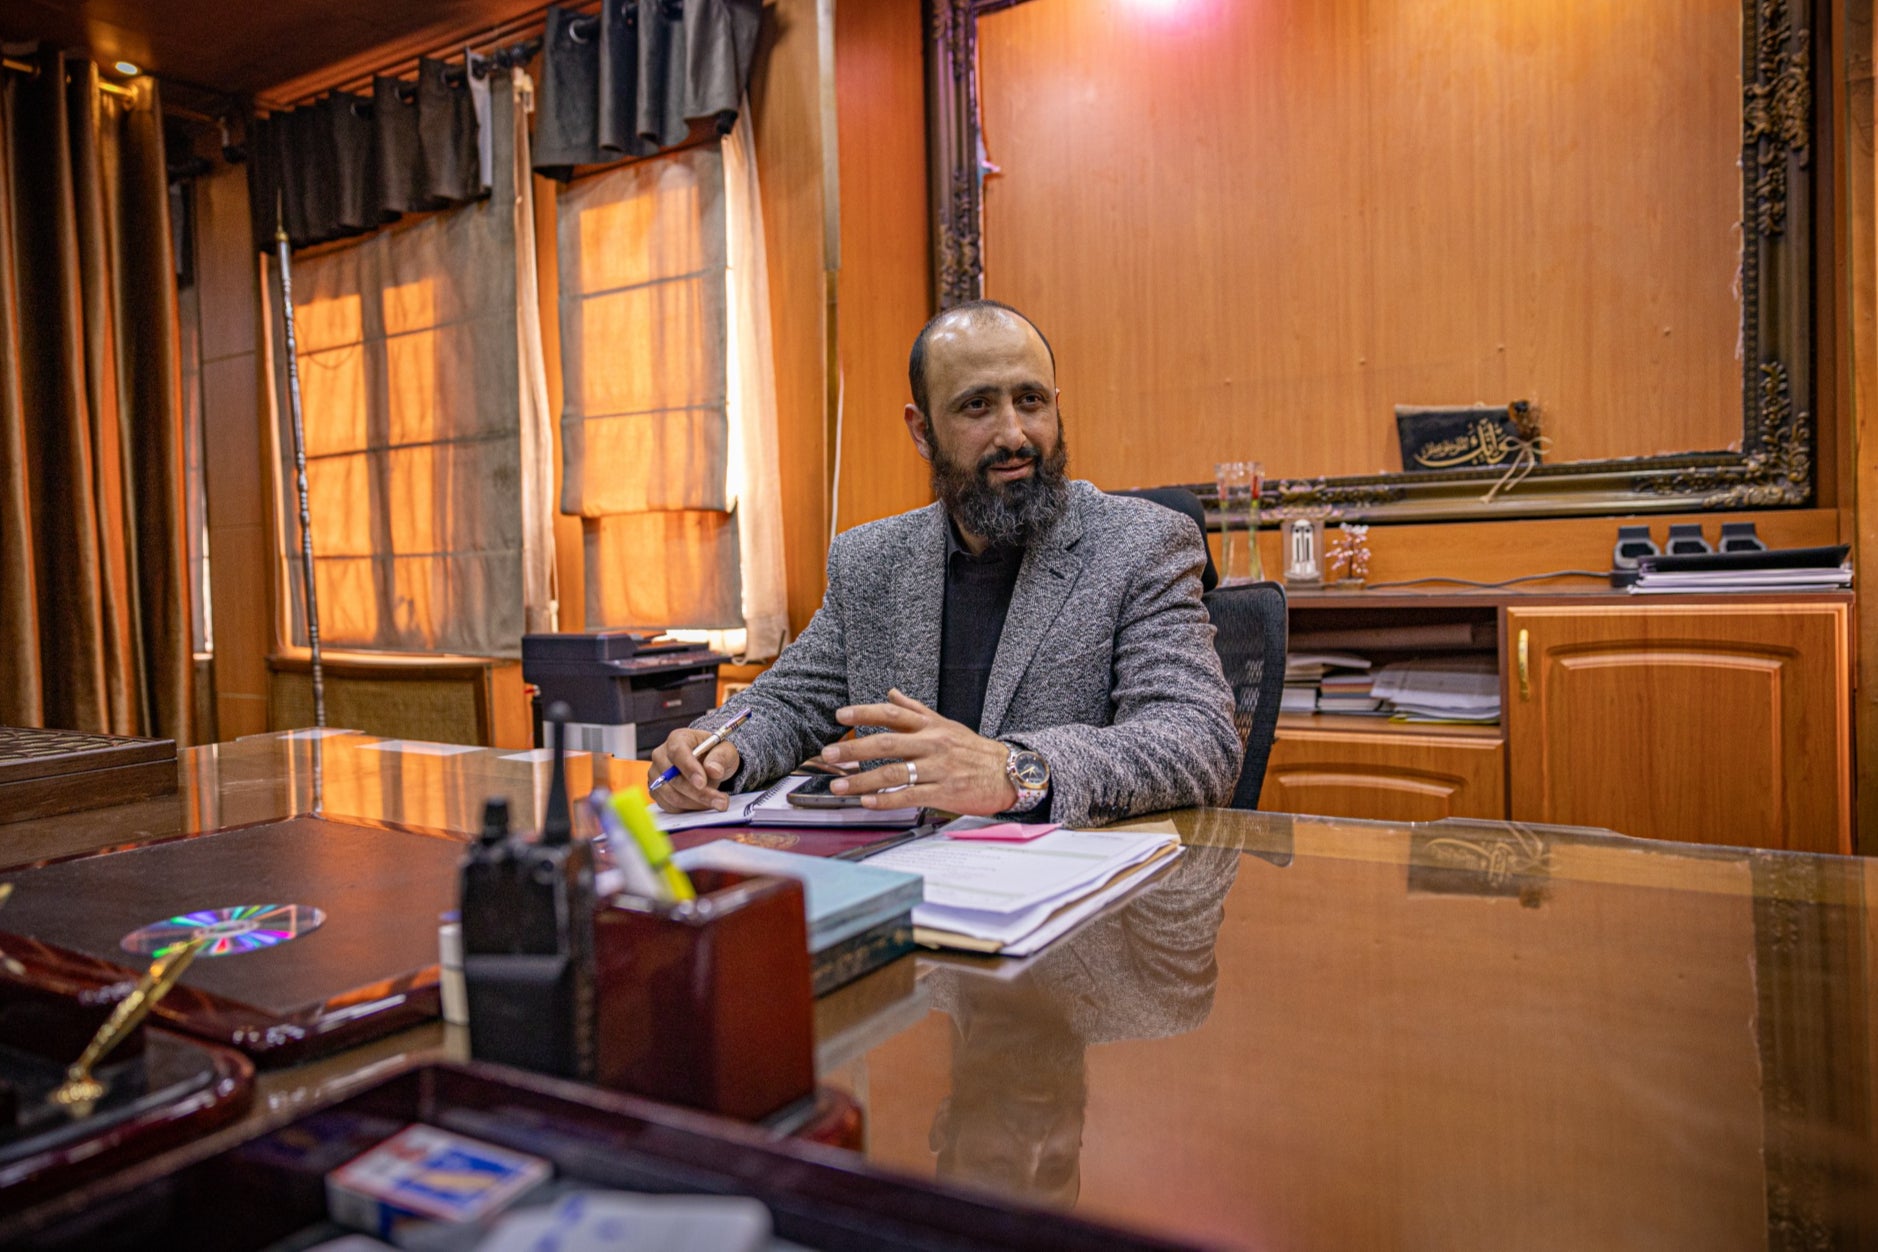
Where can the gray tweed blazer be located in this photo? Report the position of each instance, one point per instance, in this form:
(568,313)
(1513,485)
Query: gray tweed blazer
(1106,665)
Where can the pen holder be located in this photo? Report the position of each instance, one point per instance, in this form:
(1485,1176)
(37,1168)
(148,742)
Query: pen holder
(706,1003)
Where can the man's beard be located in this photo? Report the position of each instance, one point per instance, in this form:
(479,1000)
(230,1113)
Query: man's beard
(1005,514)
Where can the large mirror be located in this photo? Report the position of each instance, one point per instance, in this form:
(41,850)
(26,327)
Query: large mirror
(1253,230)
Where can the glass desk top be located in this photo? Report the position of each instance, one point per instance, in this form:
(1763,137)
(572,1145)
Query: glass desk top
(1309,1032)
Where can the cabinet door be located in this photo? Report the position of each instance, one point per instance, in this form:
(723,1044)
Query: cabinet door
(1385,776)
(1703,723)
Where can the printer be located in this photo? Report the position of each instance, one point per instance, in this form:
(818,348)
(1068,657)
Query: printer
(628,689)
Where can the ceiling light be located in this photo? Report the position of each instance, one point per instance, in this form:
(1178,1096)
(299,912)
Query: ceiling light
(127,69)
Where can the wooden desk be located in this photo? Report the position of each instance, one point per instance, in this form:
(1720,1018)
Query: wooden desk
(1315,1032)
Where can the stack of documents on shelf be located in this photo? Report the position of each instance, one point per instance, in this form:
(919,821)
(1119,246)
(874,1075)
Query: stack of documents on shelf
(1351,692)
(1327,682)
(1446,689)
(772,808)
(1013,898)
(1776,569)
(1298,698)
(859,916)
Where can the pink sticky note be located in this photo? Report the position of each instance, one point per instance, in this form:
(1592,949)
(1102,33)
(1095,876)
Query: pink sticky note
(1007,832)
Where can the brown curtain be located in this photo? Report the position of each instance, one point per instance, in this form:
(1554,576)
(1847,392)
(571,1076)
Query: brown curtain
(94,593)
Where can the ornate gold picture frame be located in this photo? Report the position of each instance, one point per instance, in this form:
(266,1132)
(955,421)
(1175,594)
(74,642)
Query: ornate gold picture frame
(1783,43)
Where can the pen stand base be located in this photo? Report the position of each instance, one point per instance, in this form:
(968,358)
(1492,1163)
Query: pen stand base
(706,1003)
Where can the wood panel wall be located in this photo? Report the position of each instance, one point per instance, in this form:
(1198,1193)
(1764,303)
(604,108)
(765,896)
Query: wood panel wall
(885,291)
(794,145)
(1859,511)
(1252,229)
(235,469)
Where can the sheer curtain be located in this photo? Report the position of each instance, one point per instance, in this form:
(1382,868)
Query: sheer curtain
(668,423)
(755,480)
(425,416)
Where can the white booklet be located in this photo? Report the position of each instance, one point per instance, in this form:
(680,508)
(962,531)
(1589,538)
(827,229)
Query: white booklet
(771,807)
(1012,898)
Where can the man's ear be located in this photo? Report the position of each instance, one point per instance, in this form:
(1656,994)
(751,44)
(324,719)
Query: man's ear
(916,427)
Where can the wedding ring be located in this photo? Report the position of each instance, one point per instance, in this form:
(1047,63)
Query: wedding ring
(912,776)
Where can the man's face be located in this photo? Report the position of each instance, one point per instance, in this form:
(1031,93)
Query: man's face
(994,435)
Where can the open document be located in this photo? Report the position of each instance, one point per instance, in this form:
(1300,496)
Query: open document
(772,808)
(1013,898)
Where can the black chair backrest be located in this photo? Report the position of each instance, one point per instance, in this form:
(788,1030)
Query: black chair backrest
(1249,635)
(1181,500)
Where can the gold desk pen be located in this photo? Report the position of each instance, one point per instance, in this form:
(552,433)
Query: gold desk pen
(80,1090)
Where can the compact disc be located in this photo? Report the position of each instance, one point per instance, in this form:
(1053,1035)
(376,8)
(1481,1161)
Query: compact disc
(243,928)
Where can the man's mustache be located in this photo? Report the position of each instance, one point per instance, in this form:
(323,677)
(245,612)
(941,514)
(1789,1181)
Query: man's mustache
(1004,456)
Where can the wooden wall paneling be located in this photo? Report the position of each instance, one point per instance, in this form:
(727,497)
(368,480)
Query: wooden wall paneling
(787,111)
(1668,721)
(1860,503)
(235,472)
(885,287)
(1250,230)
(1387,775)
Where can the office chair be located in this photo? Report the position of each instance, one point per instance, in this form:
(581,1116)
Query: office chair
(1249,635)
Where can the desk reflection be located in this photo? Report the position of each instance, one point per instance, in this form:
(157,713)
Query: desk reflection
(1147,970)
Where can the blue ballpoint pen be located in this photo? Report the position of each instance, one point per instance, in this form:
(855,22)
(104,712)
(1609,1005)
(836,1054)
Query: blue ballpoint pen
(703,749)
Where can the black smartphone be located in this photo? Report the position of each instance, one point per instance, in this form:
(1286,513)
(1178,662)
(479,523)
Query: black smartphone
(814,794)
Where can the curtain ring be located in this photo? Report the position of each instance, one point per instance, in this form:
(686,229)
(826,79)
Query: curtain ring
(575,27)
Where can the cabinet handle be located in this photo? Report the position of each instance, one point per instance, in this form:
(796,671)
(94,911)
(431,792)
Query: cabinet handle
(1525,666)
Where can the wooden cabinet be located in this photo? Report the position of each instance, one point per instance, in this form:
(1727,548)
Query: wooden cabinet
(1364,770)
(1698,722)
(1722,720)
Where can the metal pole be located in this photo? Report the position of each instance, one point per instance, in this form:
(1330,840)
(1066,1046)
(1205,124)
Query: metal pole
(299,467)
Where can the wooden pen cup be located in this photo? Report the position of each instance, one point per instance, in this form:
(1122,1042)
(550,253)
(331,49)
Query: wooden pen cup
(706,1003)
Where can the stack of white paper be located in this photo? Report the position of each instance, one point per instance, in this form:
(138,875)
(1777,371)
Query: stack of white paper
(1458,689)
(1656,581)
(1012,898)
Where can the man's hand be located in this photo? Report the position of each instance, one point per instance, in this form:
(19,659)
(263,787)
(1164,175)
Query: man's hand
(952,766)
(696,785)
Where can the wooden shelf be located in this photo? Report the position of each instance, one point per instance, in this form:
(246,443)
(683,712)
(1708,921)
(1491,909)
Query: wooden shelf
(1347,724)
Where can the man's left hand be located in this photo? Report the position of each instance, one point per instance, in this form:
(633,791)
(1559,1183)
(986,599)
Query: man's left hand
(951,766)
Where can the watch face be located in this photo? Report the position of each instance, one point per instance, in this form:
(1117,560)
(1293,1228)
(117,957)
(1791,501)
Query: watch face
(1030,770)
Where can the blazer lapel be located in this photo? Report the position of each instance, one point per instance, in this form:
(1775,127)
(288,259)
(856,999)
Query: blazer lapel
(918,609)
(1043,583)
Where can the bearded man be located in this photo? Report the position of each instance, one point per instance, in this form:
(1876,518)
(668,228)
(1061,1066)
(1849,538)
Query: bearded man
(1024,645)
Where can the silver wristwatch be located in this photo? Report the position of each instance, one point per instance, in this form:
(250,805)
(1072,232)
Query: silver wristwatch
(1030,774)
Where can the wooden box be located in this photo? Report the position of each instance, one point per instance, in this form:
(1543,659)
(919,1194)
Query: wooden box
(43,772)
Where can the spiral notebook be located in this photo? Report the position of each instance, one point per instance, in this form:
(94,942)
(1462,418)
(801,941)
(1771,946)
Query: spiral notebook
(771,807)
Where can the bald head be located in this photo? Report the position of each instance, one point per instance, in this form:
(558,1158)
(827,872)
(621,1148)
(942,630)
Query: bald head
(971,314)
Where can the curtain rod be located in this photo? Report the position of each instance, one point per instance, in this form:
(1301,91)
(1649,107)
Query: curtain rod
(32,71)
(525,27)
